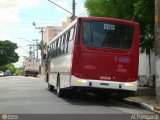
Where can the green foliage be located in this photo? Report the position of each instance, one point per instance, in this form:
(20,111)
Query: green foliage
(141,11)
(7,52)
(19,71)
(110,8)
(11,67)
(42,46)
(145,17)
(8,67)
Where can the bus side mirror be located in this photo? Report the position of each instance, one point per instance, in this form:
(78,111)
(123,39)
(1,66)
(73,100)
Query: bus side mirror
(44,56)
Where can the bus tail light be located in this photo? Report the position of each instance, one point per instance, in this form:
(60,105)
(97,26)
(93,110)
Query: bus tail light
(81,81)
(131,78)
(80,75)
(129,84)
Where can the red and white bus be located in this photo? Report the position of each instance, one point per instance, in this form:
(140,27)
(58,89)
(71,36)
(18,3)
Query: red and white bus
(94,53)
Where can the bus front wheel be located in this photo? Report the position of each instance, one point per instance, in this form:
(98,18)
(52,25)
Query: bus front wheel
(50,87)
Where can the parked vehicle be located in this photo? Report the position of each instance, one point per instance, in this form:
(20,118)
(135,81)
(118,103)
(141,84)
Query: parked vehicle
(8,73)
(31,67)
(1,74)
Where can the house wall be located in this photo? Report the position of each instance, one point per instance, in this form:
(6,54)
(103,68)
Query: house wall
(145,77)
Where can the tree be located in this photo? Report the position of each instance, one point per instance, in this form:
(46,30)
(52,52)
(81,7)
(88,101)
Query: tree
(8,67)
(19,71)
(110,8)
(42,46)
(7,52)
(141,11)
(144,10)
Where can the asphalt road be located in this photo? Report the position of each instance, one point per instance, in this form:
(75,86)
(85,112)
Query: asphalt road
(28,95)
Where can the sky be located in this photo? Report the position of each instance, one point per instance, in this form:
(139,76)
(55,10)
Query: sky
(17,17)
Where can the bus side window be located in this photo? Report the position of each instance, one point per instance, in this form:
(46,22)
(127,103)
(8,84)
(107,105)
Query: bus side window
(52,54)
(64,40)
(61,48)
(55,51)
(50,50)
(51,46)
(71,41)
(68,35)
(71,34)
(54,48)
(70,46)
(59,45)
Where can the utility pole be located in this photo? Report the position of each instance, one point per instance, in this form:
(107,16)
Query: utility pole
(33,51)
(73,10)
(157,49)
(30,50)
(42,48)
(36,40)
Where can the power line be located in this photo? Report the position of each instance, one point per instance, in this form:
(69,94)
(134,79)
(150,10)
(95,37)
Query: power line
(20,47)
(60,6)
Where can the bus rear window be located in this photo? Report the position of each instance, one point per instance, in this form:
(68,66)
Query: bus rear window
(112,35)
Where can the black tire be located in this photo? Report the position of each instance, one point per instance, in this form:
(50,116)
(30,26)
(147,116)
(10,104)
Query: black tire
(50,87)
(60,92)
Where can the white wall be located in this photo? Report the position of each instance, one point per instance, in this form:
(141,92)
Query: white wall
(144,64)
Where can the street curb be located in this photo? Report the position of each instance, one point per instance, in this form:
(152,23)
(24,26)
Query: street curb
(141,105)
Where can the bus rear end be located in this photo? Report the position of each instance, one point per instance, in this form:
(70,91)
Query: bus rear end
(106,54)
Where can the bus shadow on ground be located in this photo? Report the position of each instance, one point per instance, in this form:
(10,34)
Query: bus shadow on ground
(90,99)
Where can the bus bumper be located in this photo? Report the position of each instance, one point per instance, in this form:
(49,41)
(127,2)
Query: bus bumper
(77,82)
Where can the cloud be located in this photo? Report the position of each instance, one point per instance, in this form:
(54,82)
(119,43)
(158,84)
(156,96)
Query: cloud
(10,15)
(4,36)
(9,4)
(26,3)
(9,11)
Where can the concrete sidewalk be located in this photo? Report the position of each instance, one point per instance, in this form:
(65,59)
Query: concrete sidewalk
(144,98)
(42,76)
